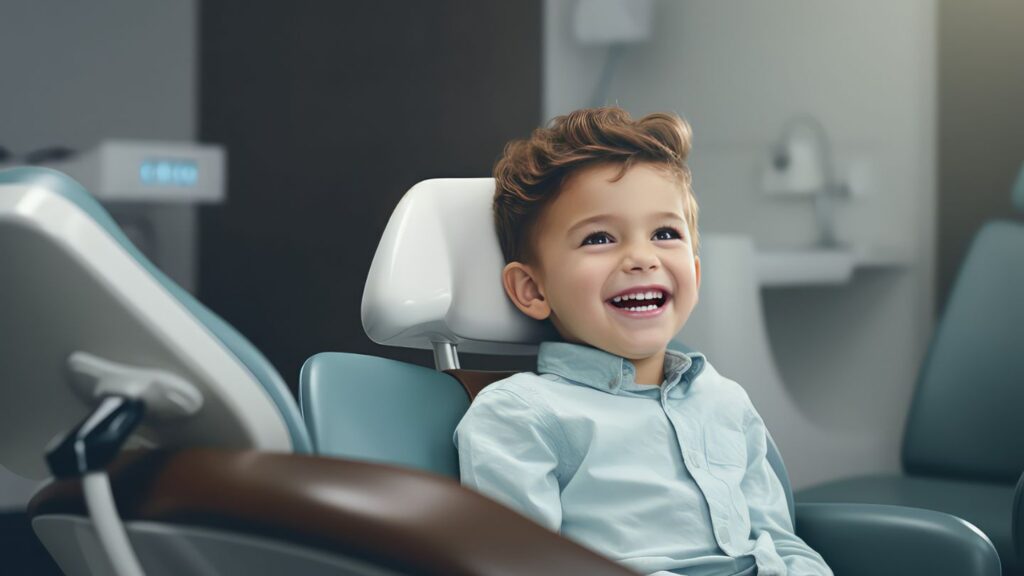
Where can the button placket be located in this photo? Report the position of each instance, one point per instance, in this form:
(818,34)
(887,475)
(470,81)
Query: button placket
(693,458)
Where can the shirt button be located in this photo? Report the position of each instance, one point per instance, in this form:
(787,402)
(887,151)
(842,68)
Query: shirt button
(723,535)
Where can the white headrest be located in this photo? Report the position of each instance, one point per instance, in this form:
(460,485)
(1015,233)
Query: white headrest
(436,276)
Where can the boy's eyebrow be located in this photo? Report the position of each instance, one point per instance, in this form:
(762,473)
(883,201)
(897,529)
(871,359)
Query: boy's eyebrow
(591,220)
(614,218)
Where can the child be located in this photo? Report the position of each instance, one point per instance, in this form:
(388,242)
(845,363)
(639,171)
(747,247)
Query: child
(640,453)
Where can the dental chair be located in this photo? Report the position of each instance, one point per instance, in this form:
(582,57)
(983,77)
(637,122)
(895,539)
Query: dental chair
(963,448)
(173,447)
(435,284)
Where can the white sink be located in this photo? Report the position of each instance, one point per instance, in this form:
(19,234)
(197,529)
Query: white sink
(807,266)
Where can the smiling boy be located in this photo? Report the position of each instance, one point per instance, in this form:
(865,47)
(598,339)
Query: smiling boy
(641,453)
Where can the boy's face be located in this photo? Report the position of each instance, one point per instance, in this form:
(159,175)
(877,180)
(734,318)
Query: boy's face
(601,243)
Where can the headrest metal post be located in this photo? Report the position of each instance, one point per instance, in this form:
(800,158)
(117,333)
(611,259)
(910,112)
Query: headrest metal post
(446,356)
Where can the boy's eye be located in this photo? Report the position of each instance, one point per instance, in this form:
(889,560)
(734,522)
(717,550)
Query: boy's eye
(597,238)
(667,234)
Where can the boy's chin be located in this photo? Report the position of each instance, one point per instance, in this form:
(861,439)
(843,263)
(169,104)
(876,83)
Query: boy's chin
(631,350)
(639,350)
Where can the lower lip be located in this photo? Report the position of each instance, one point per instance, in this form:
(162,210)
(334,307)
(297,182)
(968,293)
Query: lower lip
(645,314)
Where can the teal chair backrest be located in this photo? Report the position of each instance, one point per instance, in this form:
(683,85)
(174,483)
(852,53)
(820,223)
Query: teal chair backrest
(232,340)
(381,410)
(965,420)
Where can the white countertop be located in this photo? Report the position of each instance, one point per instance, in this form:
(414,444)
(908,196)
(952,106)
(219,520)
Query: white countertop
(780,267)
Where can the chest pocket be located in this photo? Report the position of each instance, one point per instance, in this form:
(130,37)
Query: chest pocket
(726,452)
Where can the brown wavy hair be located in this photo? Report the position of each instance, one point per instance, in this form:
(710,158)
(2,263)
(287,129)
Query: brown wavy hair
(532,172)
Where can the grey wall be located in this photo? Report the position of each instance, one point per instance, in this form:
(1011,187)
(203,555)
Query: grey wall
(77,72)
(981,122)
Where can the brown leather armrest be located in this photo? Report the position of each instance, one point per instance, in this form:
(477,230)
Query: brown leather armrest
(396,518)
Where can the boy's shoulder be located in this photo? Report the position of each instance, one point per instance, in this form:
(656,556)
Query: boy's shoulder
(544,395)
(527,385)
(523,398)
(711,378)
(724,392)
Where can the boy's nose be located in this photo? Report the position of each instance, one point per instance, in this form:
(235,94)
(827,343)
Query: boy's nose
(641,259)
(642,267)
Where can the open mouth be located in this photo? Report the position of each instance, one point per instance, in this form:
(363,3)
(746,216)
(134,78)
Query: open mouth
(639,301)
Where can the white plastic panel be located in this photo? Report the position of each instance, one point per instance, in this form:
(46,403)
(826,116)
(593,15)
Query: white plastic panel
(69,286)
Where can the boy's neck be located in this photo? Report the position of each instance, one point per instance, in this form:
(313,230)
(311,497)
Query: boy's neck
(651,370)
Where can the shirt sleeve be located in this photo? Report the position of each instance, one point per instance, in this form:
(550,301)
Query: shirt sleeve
(508,453)
(769,511)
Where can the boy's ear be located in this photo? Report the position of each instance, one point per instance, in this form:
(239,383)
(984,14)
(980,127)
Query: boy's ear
(696,266)
(524,290)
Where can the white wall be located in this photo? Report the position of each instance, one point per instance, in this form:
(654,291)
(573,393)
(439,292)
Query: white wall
(737,70)
(74,73)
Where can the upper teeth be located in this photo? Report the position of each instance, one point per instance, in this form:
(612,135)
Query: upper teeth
(639,296)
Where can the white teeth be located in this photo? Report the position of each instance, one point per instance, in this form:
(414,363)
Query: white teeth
(640,296)
(642,308)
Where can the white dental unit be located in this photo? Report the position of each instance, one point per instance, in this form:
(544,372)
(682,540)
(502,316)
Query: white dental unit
(151,189)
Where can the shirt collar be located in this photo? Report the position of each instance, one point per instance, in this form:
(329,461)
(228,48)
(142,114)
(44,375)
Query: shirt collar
(605,371)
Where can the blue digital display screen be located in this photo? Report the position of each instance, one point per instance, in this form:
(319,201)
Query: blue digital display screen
(166,172)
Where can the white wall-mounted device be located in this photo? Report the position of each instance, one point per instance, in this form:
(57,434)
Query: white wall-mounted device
(143,171)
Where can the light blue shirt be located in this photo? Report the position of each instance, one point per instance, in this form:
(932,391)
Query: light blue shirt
(671,479)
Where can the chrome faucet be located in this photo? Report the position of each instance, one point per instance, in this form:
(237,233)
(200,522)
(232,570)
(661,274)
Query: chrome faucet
(830,188)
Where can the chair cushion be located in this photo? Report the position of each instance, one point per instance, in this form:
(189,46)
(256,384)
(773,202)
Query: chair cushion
(965,419)
(986,505)
(852,538)
(380,410)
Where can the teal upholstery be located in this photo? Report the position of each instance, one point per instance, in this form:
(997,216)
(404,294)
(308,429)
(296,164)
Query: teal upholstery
(374,409)
(984,504)
(233,341)
(965,419)
(962,449)
(894,540)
